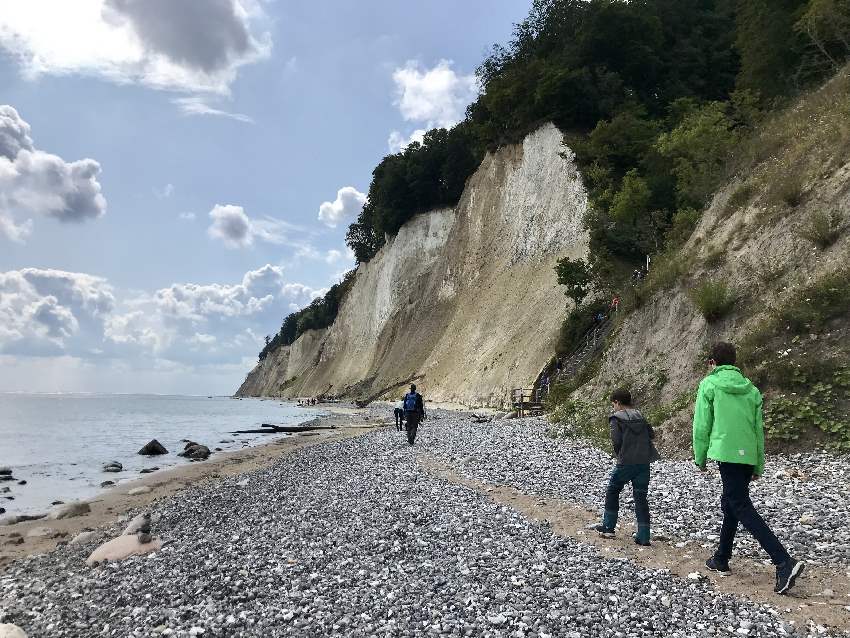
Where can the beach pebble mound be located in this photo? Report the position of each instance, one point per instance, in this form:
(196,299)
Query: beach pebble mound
(354,538)
(805,498)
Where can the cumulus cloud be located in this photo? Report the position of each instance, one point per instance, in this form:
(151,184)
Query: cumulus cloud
(191,45)
(347,205)
(40,309)
(231,225)
(432,98)
(56,313)
(35,182)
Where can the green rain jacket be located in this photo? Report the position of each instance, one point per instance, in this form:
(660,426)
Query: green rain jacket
(728,420)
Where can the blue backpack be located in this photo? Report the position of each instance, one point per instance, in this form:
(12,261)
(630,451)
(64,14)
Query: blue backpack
(410,402)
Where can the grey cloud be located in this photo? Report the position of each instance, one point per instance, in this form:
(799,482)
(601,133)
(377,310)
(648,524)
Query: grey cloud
(14,133)
(231,225)
(58,320)
(206,35)
(35,182)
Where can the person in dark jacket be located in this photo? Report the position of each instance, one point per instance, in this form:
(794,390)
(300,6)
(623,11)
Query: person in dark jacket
(414,412)
(631,438)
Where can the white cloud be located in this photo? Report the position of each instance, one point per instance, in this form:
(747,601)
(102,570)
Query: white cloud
(190,45)
(40,310)
(431,98)
(165,192)
(397,142)
(35,182)
(51,313)
(232,226)
(197,105)
(347,205)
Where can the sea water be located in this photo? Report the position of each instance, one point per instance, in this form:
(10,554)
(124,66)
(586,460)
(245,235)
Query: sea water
(59,443)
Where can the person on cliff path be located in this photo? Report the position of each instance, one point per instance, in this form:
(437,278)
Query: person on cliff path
(631,439)
(728,429)
(414,412)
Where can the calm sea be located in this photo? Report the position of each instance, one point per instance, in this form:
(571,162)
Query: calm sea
(59,443)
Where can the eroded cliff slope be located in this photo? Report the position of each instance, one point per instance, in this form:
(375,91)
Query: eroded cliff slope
(463,300)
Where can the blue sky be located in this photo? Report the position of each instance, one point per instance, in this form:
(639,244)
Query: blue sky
(177,177)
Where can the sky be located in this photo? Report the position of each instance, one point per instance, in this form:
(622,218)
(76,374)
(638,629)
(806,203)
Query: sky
(178,176)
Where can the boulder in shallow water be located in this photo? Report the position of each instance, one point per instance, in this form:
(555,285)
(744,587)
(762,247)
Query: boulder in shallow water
(121,548)
(148,470)
(71,510)
(113,466)
(11,631)
(153,448)
(196,452)
(107,483)
(5,471)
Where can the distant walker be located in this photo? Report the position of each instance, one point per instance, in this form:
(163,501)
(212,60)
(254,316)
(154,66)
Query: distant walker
(414,412)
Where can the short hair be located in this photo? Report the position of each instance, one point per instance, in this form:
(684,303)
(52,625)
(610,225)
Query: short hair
(723,353)
(413,387)
(622,396)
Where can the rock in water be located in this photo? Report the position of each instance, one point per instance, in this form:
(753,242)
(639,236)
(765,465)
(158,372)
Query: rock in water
(107,483)
(121,548)
(71,510)
(141,523)
(11,631)
(5,471)
(113,466)
(196,452)
(153,448)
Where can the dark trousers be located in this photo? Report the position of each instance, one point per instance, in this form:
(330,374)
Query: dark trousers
(738,508)
(638,476)
(399,418)
(412,419)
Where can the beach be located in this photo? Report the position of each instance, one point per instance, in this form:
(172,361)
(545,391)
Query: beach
(478,529)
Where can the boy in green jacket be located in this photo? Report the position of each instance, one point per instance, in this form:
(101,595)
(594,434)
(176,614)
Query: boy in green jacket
(728,429)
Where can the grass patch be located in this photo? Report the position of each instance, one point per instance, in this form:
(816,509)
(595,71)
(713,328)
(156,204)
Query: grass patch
(714,299)
(823,229)
(739,198)
(715,258)
(584,421)
(769,271)
(787,186)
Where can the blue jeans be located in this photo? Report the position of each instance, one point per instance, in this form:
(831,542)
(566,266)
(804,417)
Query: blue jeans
(638,476)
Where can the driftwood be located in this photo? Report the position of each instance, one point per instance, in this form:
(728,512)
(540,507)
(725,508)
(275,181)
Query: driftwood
(481,418)
(270,428)
(362,403)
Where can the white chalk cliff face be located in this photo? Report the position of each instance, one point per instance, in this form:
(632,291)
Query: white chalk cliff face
(464,300)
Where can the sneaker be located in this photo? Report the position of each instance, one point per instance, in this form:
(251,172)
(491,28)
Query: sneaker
(604,532)
(640,542)
(786,574)
(717,565)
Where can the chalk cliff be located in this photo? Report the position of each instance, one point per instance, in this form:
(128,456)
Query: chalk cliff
(463,300)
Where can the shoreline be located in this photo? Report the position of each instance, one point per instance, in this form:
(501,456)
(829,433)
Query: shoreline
(25,539)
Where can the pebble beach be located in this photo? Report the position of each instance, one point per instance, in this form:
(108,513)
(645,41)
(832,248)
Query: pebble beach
(358,537)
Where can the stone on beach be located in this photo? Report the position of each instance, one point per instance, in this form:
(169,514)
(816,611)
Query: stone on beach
(11,631)
(14,519)
(121,548)
(71,510)
(141,523)
(83,537)
(152,448)
(138,491)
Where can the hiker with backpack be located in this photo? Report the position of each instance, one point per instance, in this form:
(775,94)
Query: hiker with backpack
(414,412)
(631,439)
(728,429)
